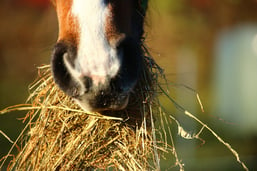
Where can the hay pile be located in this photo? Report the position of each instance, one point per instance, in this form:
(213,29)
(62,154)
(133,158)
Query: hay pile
(62,136)
(59,135)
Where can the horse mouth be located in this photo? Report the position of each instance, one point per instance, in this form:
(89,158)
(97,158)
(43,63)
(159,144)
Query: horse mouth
(91,102)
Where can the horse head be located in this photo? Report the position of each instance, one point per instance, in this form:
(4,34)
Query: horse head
(97,59)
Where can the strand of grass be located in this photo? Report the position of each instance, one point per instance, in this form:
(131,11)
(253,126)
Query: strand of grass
(96,115)
(178,162)
(157,159)
(44,66)
(39,84)
(15,142)
(143,131)
(186,135)
(233,151)
(9,139)
(28,107)
(190,89)
(219,138)
(144,125)
(44,79)
(152,65)
(199,101)
(39,78)
(20,107)
(162,127)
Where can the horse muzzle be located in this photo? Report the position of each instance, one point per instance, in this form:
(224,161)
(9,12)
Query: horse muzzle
(94,92)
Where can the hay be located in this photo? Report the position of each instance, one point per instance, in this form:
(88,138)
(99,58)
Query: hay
(62,136)
(59,135)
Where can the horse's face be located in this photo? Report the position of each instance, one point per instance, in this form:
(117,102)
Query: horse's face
(97,57)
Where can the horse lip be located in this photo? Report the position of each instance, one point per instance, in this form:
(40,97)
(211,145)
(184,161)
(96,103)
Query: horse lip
(115,102)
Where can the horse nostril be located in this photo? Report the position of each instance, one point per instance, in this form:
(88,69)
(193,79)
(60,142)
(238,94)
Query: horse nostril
(66,75)
(61,74)
(59,70)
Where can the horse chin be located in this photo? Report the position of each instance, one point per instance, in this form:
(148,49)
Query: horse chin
(99,103)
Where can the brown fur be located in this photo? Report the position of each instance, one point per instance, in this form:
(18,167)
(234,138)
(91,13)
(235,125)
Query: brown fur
(118,26)
(68,24)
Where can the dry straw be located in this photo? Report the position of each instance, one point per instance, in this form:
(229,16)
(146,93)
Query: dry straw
(59,135)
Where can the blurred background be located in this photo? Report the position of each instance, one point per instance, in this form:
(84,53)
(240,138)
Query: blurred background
(207,45)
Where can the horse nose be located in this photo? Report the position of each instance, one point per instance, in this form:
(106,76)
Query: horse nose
(95,87)
(59,71)
(69,77)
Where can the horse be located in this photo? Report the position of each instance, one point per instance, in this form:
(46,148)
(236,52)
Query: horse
(98,57)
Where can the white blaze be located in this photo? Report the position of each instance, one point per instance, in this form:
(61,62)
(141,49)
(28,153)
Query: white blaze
(95,57)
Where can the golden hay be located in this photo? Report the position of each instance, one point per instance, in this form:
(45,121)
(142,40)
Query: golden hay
(63,137)
(59,135)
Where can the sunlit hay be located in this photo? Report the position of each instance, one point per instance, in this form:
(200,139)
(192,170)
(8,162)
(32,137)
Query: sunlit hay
(59,135)
(62,136)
